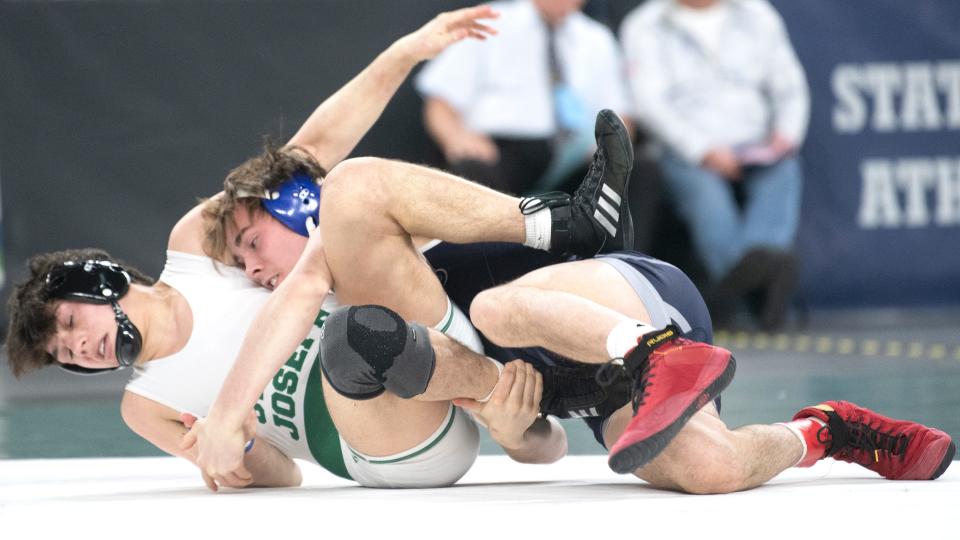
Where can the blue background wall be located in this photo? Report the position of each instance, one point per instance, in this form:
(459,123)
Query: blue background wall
(881,208)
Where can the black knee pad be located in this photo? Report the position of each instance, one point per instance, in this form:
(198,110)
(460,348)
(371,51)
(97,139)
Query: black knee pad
(365,350)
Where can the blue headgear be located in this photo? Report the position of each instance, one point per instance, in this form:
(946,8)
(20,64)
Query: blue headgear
(98,282)
(296,204)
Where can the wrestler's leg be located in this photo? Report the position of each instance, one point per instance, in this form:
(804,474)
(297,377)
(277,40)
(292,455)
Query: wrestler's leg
(708,457)
(374,261)
(388,424)
(373,258)
(372,208)
(569,308)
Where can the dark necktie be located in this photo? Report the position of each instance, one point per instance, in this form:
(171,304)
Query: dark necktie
(556,84)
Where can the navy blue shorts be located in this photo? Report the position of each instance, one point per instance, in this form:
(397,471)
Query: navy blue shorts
(465,270)
(667,293)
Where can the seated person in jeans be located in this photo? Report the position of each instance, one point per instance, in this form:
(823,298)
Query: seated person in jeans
(718,84)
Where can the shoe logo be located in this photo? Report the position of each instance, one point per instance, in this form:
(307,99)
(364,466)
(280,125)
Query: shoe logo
(584,413)
(604,222)
(657,339)
(608,209)
(612,195)
(613,212)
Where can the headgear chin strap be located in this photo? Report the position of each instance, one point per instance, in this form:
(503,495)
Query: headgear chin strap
(296,203)
(98,282)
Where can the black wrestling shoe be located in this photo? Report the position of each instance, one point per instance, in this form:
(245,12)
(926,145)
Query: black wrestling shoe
(571,390)
(597,217)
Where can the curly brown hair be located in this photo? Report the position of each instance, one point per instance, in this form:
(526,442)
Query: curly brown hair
(243,186)
(31,311)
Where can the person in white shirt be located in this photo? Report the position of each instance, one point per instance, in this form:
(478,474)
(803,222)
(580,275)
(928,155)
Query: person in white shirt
(719,85)
(519,109)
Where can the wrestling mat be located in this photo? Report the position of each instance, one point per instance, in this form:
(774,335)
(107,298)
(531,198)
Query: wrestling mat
(579,497)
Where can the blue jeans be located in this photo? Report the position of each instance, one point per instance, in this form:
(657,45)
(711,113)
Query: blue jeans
(722,231)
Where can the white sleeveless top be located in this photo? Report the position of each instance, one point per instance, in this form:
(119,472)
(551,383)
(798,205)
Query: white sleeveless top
(291,412)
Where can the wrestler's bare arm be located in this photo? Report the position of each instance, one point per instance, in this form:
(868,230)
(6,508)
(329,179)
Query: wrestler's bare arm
(161,426)
(511,415)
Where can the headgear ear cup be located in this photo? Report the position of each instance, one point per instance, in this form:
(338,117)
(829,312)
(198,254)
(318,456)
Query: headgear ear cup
(296,204)
(129,341)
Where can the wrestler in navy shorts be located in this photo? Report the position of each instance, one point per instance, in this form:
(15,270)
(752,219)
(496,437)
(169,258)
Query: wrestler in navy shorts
(668,294)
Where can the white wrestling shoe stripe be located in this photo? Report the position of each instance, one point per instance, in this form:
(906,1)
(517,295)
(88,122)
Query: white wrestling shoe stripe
(604,222)
(612,213)
(584,413)
(611,194)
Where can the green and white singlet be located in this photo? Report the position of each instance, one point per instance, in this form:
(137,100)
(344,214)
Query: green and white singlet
(291,412)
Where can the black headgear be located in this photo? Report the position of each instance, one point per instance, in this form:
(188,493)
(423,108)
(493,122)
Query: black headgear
(98,282)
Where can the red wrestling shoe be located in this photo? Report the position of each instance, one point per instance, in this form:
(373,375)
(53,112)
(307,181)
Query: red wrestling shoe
(896,449)
(673,378)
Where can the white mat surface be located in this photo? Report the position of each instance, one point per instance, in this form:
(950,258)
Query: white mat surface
(576,498)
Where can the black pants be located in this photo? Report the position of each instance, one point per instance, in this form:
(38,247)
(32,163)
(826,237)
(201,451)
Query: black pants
(522,162)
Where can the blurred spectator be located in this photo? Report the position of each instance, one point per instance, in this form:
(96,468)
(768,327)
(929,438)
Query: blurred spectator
(719,85)
(516,112)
